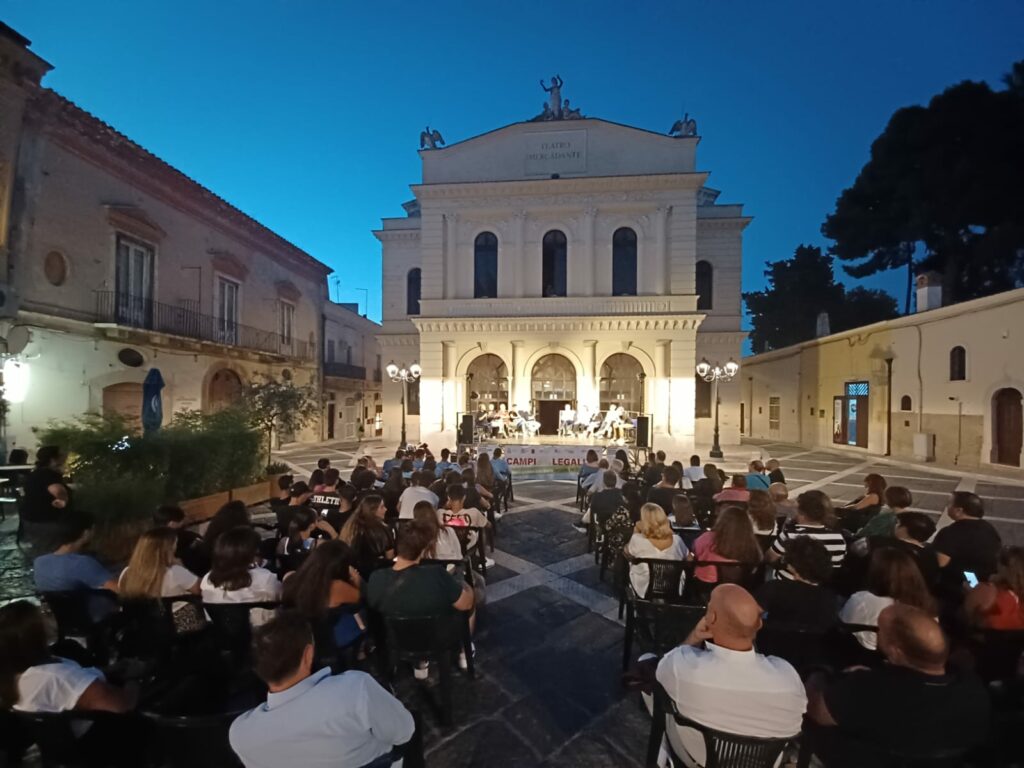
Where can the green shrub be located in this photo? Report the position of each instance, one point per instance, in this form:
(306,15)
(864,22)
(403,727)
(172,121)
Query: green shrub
(122,476)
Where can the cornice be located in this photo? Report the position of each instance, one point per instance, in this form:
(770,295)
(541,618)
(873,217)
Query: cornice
(393,235)
(557,324)
(598,188)
(730,222)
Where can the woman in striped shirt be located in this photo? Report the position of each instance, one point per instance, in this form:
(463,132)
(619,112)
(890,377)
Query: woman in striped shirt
(813,510)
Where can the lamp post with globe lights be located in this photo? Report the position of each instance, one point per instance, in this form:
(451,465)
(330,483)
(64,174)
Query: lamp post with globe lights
(405,376)
(717,373)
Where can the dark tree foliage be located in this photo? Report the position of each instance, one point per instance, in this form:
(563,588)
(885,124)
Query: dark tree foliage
(801,288)
(948,181)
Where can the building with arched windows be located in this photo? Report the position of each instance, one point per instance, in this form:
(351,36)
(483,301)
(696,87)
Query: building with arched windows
(563,261)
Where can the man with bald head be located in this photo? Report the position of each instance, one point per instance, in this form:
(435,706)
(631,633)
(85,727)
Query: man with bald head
(910,706)
(717,679)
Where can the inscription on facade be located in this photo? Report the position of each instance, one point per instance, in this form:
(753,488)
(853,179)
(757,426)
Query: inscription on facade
(558,152)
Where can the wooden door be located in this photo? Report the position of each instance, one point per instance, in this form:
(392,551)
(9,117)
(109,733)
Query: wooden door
(860,434)
(839,420)
(331,417)
(547,415)
(1008,419)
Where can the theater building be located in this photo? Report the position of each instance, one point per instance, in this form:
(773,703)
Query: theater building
(563,260)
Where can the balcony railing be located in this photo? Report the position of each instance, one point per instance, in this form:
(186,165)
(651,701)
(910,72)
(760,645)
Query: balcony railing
(345,371)
(136,312)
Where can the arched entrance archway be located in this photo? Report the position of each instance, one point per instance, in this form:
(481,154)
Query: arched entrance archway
(553,386)
(621,384)
(1008,426)
(225,389)
(124,400)
(486,383)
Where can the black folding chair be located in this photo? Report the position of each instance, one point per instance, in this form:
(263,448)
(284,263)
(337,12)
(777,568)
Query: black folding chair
(232,628)
(147,628)
(800,645)
(56,735)
(722,749)
(74,612)
(328,653)
(660,617)
(429,638)
(472,538)
(193,742)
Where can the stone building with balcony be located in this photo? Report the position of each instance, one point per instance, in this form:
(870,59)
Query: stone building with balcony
(563,261)
(117,263)
(353,409)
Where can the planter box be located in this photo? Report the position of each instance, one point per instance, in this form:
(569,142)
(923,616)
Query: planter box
(252,494)
(205,507)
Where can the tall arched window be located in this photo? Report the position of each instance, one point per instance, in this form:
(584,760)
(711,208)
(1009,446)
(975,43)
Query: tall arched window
(958,364)
(554,248)
(624,262)
(705,284)
(485,266)
(412,292)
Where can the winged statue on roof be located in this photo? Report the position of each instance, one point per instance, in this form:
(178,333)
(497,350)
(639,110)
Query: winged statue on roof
(683,128)
(430,139)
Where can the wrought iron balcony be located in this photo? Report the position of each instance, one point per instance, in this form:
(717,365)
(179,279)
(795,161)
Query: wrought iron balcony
(136,312)
(345,371)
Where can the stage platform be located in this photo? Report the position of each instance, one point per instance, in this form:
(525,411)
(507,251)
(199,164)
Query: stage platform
(553,455)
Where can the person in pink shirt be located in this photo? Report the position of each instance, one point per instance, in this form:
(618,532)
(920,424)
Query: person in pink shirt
(730,541)
(737,491)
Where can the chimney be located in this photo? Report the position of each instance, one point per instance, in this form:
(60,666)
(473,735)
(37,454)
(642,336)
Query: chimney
(821,327)
(929,291)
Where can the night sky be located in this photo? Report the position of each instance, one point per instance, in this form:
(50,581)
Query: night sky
(307,115)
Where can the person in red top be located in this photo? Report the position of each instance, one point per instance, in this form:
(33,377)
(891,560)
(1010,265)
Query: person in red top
(730,541)
(999,603)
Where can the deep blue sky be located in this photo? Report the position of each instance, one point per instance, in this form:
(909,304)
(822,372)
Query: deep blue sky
(307,115)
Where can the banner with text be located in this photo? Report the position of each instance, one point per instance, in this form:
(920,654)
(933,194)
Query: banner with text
(527,460)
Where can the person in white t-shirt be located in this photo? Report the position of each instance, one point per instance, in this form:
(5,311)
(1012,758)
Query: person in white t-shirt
(152,570)
(235,577)
(717,679)
(456,515)
(695,472)
(653,538)
(415,493)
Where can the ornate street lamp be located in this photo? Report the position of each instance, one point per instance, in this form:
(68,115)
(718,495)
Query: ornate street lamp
(405,376)
(717,373)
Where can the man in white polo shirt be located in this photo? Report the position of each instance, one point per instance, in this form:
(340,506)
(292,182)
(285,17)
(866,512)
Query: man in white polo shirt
(717,679)
(415,493)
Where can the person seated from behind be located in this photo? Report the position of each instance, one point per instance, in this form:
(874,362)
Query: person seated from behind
(717,678)
(653,474)
(757,480)
(775,474)
(780,498)
(415,493)
(322,465)
(999,602)
(409,589)
(298,496)
(813,510)
(69,569)
(33,679)
(912,535)
(236,575)
(652,538)
(306,530)
(396,461)
(500,465)
(189,549)
(893,577)
(968,544)
(603,503)
(591,464)
(731,540)
(803,600)
(683,516)
(695,472)
(313,719)
(234,514)
(476,494)
(153,573)
(736,492)
(666,490)
(593,480)
(371,539)
(883,525)
(712,483)
(361,468)
(316,480)
(444,544)
(458,513)
(326,580)
(857,513)
(419,458)
(910,706)
(282,497)
(761,509)
(332,479)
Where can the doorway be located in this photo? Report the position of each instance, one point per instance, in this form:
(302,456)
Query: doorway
(553,384)
(1008,423)
(547,415)
(330,421)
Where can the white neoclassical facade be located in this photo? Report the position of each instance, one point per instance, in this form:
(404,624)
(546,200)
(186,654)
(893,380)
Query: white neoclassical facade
(573,261)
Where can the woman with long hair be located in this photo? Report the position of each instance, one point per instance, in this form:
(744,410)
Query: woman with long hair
(712,480)
(368,535)
(730,541)
(326,580)
(893,577)
(623,456)
(293,548)
(236,576)
(652,538)
(392,490)
(444,543)
(484,471)
(761,509)
(152,570)
(999,602)
(858,512)
(232,515)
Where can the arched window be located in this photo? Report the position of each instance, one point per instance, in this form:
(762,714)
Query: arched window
(958,364)
(624,262)
(621,383)
(554,249)
(705,284)
(485,266)
(906,404)
(412,292)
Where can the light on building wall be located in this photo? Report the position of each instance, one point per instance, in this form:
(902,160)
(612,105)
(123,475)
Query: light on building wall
(392,369)
(16,378)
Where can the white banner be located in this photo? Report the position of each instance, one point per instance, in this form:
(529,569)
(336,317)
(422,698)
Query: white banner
(526,460)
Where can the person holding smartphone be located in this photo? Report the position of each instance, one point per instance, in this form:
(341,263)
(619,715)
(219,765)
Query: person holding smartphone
(999,602)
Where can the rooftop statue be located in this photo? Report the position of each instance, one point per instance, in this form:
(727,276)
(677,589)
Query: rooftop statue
(683,128)
(555,108)
(430,139)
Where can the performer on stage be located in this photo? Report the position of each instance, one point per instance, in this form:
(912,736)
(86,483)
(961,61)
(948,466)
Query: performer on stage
(566,417)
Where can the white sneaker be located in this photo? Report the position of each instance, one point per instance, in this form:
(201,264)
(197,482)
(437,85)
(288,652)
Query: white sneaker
(463,664)
(488,562)
(498,515)
(421,671)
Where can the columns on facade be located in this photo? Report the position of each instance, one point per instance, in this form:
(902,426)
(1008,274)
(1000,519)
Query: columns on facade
(659,405)
(682,246)
(517,266)
(449,388)
(520,382)
(432,255)
(590,394)
(431,391)
(454,274)
(660,274)
(682,388)
(589,224)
